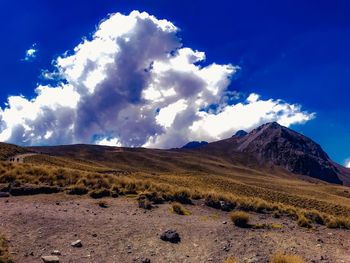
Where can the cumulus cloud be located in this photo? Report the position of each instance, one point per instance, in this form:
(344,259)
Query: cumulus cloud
(31,53)
(347,163)
(134,84)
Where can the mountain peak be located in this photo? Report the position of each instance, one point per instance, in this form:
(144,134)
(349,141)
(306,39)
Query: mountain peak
(240,134)
(279,145)
(194,145)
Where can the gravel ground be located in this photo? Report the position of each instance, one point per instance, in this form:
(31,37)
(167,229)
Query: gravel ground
(38,225)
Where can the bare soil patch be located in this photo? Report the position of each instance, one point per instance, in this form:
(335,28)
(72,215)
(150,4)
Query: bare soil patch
(122,232)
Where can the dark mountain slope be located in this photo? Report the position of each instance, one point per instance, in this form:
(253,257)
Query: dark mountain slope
(273,144)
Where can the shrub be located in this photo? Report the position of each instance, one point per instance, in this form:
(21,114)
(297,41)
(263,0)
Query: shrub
(179,209)
(182,197)
(144,203)
(314,216)
(303,221)
(240,218)
(77,190)
(230,260)
(281,258)
(100,193)
(4,252)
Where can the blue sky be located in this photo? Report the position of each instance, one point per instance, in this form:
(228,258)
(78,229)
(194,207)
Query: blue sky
(297,51)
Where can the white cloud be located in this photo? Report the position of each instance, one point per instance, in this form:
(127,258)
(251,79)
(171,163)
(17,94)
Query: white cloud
(134,84)
(347,163)
(31,53)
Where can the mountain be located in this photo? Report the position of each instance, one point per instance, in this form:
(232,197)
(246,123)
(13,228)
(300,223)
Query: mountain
(265,149)
(273,144)
(194,145)
(240,133)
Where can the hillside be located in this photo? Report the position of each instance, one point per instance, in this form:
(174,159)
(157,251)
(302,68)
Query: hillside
(9,150)
(251,172)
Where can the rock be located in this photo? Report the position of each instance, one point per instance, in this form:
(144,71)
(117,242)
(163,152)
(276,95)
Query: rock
(3,194)
(141,260)
(56,253)
(50,259)
(77,243)
(170,236)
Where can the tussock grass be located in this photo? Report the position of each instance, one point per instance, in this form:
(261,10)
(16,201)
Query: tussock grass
(240,218)
(4,251)
(230,260)
(179,188)
(282,258)
(177,208)
(303,221)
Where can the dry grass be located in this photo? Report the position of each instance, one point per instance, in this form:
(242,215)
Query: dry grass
(177,208)
(230,260)
(281,258)
(4,251)
(303,221)
(240,218)
(180,177)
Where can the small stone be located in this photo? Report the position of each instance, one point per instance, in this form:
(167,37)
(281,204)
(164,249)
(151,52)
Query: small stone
(224,222)
(141,260)
(3,194)
(50,259)
(56,253)
(170,236)
(77,243)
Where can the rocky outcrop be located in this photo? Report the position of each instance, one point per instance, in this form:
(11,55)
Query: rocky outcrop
(295,152)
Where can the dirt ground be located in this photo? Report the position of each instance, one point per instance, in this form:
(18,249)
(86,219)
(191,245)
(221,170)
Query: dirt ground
(37,225)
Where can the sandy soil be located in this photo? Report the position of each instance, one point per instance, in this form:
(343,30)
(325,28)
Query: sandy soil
(37,225)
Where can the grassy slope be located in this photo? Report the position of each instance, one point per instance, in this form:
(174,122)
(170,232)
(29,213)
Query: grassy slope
(201,171)
(8,150)
(235,177)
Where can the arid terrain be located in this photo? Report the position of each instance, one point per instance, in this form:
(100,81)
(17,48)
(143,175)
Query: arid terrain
(120,201)
(122,232)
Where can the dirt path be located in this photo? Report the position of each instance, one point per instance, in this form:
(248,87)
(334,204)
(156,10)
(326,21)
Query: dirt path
(37,225)
(20,157)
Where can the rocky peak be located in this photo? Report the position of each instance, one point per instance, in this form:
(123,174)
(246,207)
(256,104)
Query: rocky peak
(284,147)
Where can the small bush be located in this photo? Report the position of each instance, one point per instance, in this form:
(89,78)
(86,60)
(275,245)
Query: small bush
(144,203)
(303,221)
(230,260)
(100,193)
(179,209)
(314,216)
(240,218)
(77,190)
(182,197)
(4,252)
(332,223)
(281,258)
